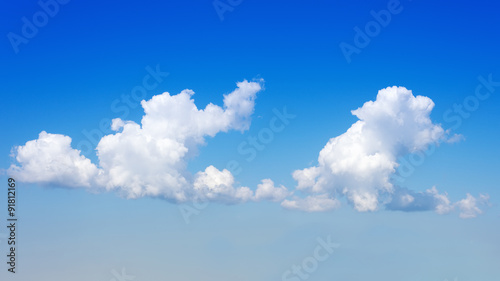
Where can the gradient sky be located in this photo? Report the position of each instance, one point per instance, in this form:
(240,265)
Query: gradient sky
(90,54)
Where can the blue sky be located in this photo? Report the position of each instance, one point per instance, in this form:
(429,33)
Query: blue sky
(80,66)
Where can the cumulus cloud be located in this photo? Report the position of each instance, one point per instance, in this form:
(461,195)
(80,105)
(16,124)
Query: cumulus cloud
(51,160)
(150,158)
(267,191)
(359,163)
(216,185)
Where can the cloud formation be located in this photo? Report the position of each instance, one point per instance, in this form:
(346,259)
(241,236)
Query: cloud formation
(407,200)
(216,185)
(431,200)
(469,206)
(359,163)
(149,159)
(267,191)
(51,160)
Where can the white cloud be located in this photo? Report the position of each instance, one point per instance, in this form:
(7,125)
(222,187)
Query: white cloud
(359,162)
(442,203)
(213,184)
(313,203)
(363,200)
(468,206)
(150,158)
(432,200)
(51,160)
(455,138)
(147,159)
(267,191)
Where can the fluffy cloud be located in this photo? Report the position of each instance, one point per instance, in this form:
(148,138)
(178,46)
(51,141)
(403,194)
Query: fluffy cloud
(150,158)
(51,160)
(359,162)
(267,191)
(147,159)
(216,185)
